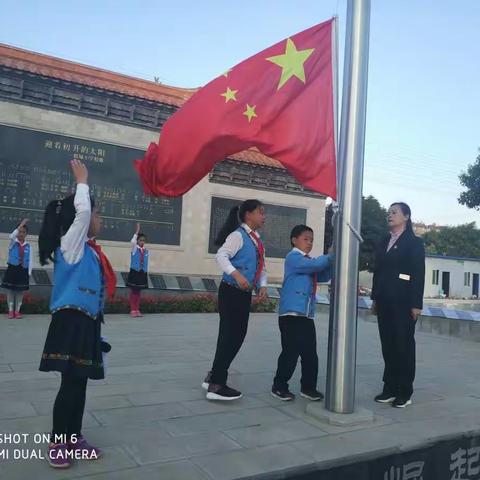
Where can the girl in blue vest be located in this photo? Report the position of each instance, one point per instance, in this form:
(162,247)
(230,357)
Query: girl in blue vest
(73,345)
(16,279)
(297,313)
(137,277)
(242,260)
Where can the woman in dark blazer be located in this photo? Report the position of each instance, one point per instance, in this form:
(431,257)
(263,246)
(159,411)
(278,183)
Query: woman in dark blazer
(397,294)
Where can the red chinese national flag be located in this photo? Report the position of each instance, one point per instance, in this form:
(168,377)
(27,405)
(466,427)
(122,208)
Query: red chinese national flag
(280,101)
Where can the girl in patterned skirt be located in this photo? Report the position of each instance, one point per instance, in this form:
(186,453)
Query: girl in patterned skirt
(74,346)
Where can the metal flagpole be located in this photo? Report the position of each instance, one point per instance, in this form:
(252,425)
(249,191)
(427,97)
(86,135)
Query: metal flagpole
(342,341)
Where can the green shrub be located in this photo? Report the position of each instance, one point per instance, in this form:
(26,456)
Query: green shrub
(170,303)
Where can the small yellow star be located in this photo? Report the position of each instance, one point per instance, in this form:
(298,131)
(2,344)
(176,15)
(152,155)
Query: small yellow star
(250,112)
(291,62)
(226,72)
(229,95)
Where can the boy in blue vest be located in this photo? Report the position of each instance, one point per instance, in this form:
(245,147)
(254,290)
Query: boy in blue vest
(137,277)
(297,313)
(16,279)
(74,347)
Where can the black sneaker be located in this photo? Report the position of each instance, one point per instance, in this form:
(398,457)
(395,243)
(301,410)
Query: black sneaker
(207,380)
(385,397)
(312,394)
(222,392)
(401,402)
(284,395)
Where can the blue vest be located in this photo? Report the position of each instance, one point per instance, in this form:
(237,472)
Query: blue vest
(79,286)
(14,255)
(135,261)
(297,289)
(245,260)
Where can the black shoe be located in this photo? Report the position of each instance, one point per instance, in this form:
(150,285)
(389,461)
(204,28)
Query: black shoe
(207,380)
(312,394)
(385,398)
(222,392)
(284,395)
(401,402)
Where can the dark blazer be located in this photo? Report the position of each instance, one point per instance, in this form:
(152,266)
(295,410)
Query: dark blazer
(399,275)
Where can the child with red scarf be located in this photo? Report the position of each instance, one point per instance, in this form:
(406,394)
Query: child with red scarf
(16,279)
(241,257)
(74,344)
(137,277)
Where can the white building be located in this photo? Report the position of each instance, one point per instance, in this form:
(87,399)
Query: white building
(454,277)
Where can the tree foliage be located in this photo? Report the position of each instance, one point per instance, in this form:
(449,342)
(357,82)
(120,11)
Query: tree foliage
(471,181)
(459,241)
(374,227)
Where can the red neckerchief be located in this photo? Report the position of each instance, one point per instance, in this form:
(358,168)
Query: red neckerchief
(261,256)
(314,282)
(142,256)
(108,273)
(21,251)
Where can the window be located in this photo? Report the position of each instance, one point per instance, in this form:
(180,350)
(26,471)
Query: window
(466,279)
(435,275)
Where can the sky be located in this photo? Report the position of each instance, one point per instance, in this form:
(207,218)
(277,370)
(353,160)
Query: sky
(423,108)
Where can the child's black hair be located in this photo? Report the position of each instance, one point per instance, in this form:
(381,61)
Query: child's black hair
(58,217)
(235,218)
(297,230)
(141,235)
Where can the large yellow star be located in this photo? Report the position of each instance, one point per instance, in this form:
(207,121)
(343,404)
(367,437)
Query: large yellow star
(291,62)
(250,112)
(229,95)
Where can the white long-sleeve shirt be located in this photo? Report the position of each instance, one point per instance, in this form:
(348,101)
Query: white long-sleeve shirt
(230,248)
(72,244)
(14,239)
(134,243)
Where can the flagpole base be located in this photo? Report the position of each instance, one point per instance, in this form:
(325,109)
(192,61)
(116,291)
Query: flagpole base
(360,416)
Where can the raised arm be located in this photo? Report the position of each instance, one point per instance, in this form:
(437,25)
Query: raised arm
(73,242)
(13,236)
(302,264)
(133,241)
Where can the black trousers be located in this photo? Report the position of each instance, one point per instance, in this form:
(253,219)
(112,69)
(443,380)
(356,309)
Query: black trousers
(69,405)
(397,335)
(234,309)
(299,339)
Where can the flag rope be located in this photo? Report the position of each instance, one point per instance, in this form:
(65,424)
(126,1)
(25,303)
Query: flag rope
(337,211)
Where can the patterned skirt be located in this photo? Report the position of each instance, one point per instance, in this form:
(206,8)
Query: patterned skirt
(16,278)
(73,345)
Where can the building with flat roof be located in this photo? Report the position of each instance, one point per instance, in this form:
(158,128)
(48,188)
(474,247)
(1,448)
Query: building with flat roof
(453,277)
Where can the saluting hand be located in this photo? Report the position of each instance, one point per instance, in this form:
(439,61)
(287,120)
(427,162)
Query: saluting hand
(79,171)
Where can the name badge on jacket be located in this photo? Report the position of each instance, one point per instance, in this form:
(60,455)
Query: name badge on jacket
(404,276)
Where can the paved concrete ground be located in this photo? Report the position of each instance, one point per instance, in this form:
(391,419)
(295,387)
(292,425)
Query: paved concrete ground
(152,419)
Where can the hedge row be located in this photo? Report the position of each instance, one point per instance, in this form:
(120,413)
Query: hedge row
(193,303)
